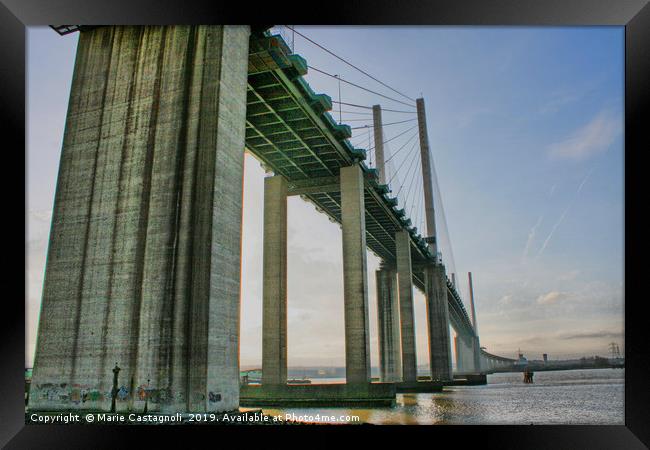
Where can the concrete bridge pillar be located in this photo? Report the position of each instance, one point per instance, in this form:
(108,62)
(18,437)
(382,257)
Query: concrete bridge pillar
(438,322)
(274,289)
(407,320)
(143,265)
(355,282)
(458,351)
(468,354)
(464,353)
(378,135)
(476,353)
(390,358)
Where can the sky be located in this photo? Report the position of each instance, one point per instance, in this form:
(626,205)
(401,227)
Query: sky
(525,127)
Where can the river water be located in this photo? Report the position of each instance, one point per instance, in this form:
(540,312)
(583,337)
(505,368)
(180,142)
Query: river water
(556,397)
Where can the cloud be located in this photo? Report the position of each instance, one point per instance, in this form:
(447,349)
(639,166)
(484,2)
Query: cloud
(593,138)
(564,213)
(531,237)
(550,298)
(593,335)
(559,100)
(569,276)
(505,300)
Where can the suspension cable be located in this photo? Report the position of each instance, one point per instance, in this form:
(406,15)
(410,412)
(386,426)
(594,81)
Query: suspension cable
(386,124)
(361,87)
(348,63)
(397,151)
(409,154)
(370,107)
(395,137)
(413,159)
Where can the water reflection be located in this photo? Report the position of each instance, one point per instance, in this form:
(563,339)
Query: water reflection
(563,397)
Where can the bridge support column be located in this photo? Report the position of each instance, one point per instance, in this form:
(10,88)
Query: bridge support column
(274,289)
(468,354)
(407,320)
(476,354)
(378,134)
(390,359)
(459,354)
(438,323)
(355,282)
(464,353)
(143,265)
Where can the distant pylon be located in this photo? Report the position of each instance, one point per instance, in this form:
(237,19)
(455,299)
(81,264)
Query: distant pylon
(614,350)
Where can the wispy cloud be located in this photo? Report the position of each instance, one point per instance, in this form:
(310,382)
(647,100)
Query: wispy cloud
(559,100)
(593,335)
(531,238)
(505,300)
(593,138)
(568,95)
(563,215)
(569,276)
(550,298)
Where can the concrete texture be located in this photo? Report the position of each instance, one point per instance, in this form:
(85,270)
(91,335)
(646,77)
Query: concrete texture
(355,282)
(458,351)
(407,320)
(476,354)
(378,134)
(438,323)
(466,353)
(143,265)
(476,345)
(308,395)
(427,167)
(274,289)
(390,358)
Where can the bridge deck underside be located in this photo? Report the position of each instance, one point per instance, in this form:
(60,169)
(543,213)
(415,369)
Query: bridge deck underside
(290,131)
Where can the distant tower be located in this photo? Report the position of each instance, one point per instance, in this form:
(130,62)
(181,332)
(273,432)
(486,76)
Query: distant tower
(614,350)
(545,356)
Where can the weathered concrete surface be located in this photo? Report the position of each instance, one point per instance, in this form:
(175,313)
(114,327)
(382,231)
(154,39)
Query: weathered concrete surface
(476,345)
(407,320)
(355,282)
(464,353)
(368,394)
(438,322)
(390,357)
(476,354)
(274,289)
(458,351)
(143,265)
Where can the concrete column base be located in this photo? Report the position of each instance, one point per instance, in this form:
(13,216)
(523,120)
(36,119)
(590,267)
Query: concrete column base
(390,360)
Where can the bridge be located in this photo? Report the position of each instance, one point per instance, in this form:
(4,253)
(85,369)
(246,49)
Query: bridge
(142,281)
(493,363)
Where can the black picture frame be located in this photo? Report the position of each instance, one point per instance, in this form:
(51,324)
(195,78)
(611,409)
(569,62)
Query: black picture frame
(15,15)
